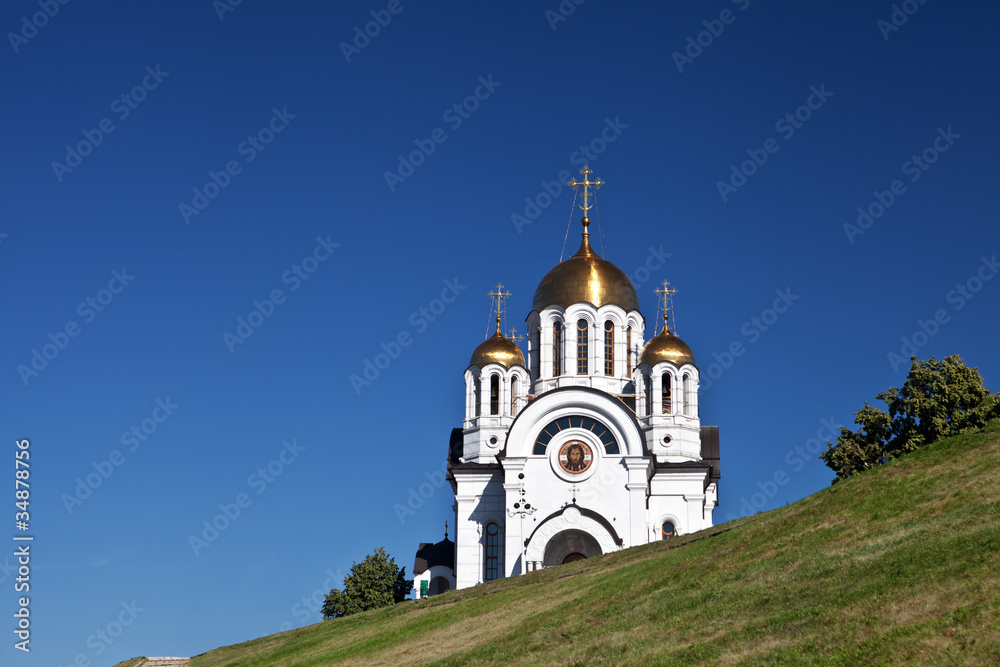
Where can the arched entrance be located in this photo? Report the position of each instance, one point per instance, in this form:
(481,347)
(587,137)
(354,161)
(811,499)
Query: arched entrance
(439,585)
(570,545)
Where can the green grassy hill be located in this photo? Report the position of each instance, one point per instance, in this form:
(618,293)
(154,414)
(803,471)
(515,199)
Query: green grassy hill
(900,564)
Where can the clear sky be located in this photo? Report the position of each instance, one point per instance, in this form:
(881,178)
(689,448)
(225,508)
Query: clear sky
(167,168)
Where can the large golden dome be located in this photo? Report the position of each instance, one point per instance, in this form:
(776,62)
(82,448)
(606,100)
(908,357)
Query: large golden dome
(497,349)
(585,277)
(665,346)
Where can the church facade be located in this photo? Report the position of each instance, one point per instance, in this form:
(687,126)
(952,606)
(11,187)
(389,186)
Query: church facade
(590,444)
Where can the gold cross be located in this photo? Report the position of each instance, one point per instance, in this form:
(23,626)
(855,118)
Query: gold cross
(668,301)
(514,337)
(586,183)
(499,295)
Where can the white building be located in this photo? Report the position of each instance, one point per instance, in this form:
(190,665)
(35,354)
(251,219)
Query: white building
(592,445)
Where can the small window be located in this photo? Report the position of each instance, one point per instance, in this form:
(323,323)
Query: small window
(628,350)
(494,394)
(536,366)
(668,530)
(492,552)
(515,389)
(687,395)
(557,329)
(581,347)
(665,393)
(479,396)
(609,348)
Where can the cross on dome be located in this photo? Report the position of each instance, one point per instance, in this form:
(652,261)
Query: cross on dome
(586,183)
(667,302)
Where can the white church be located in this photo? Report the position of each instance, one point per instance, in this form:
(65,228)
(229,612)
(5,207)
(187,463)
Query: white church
(590,445)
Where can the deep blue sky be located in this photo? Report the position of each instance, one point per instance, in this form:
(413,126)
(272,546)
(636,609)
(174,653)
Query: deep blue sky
(323,176)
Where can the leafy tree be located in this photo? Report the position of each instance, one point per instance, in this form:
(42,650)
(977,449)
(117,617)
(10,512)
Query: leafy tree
(373,583)
(938,399)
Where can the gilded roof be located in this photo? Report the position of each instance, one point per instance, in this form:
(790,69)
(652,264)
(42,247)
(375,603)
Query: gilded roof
(585,277)
(497,350)
(665,346)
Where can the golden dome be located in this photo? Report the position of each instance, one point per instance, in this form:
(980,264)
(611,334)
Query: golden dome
(585,277)
(497,350)
(665,346)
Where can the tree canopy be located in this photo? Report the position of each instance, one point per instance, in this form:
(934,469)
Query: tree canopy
(374,582)
(938,399)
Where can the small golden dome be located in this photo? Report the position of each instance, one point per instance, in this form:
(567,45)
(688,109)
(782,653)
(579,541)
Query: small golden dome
(665,346)
(497,349)
(585,277)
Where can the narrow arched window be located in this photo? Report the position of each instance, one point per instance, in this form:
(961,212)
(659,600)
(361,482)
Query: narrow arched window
(557,329)
(536,367)
(665,392)
(687,394)
(581,347)
(492,552)
(628,350)
(479,396)
(648,381)
(609,348)
(494,394)
(515,389)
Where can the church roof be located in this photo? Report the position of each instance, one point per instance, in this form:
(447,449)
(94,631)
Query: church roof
(665,346)
(431,555)
(497,349)
(585,277)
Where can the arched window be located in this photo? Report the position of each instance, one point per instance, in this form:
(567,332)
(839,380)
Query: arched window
(628,350)
(479,396)
(687,394)
(494,394)
(668,530)
(609,348)
(515,389)
(665,392)
(648,381)
(557,329)
(581,347)
(537,366)
(492,552)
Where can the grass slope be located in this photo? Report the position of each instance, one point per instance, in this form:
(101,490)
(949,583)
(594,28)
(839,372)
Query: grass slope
(899,564)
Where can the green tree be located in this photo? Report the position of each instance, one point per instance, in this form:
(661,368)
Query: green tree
(375,582)
(938,399)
